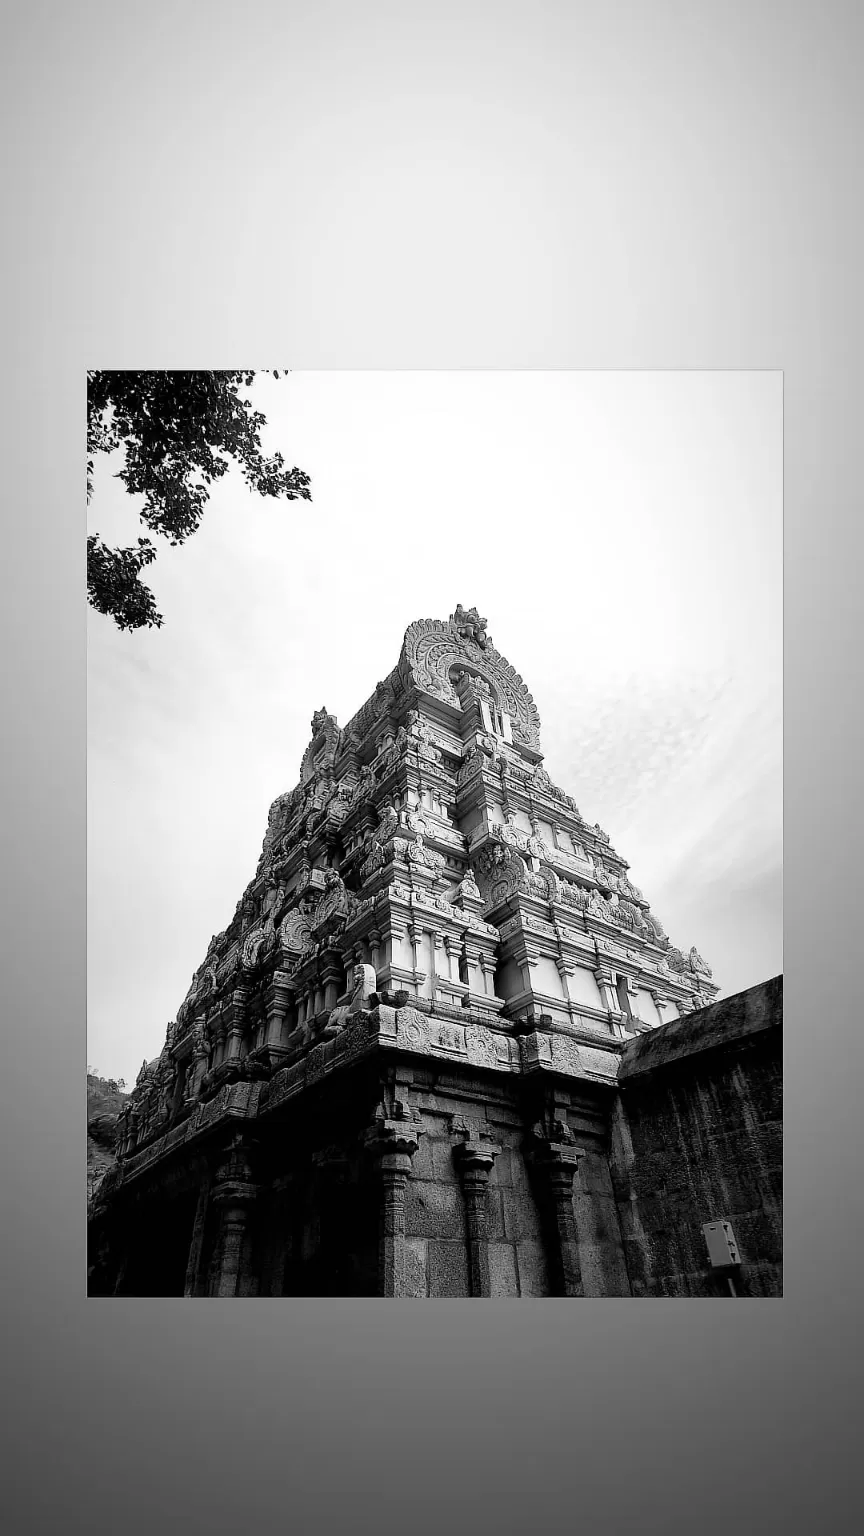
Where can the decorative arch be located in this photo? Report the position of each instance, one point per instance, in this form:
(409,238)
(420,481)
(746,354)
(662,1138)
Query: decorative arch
(432,649)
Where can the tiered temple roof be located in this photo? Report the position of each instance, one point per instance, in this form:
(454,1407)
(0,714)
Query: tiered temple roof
(424,869)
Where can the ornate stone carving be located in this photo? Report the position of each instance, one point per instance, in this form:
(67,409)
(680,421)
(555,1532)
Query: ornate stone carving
(598,907)
(417,734)
(468,887)
(319,927)
(500,872)
(334,908)
(699,966)
(432,650)
(675,961)
(296,931)
(655,931)
(254,944)
(625,915)
(363,988)
(321,751)
(469,625)
(418,853)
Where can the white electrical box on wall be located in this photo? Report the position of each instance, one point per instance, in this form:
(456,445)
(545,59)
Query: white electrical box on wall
(722,1247)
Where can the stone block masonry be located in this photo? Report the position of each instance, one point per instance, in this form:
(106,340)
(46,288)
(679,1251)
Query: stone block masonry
(698,1137)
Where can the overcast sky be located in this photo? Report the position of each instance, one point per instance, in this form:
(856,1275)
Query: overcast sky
(621,533)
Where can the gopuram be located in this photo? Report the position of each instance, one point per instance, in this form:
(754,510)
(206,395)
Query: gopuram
(403,1068)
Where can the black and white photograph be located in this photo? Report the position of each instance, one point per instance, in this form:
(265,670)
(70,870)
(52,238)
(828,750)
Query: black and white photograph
(486,991)
(432,765)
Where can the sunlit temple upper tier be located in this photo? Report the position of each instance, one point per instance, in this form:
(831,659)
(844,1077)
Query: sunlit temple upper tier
(425,860)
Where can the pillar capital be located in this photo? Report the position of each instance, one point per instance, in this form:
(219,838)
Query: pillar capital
(393,1137)
(558,1162)
(475,1157)
(234,1192)
(549,1154)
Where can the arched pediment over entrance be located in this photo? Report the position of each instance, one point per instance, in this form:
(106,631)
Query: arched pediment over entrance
(434,652)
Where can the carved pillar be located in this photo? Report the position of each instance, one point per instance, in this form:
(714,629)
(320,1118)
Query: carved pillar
(193,1282)
(234,1192)
(375,948)
(660,1002)
(280,1002)
(439,963)
(487,971)
(471,953)
(609,997)
(393,1144)
(239,1000)
(332,981)
(606,986)
(558,1163)
(632,986)
(415,936)
(474,1161)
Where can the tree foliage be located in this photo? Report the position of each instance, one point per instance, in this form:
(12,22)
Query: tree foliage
(179,432)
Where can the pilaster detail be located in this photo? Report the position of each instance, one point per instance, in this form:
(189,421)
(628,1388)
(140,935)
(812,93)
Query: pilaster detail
(392,1144)
(557,1162)
(234,1191)
(474,1160)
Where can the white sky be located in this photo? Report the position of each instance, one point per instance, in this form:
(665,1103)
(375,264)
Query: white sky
(621,533)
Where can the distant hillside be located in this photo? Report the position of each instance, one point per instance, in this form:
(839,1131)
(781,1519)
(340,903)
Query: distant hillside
(105,1099)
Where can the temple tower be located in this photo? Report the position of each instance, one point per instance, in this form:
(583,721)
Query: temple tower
(394,1069)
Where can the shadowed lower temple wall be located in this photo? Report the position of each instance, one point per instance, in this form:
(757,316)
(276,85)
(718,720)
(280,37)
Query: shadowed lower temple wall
(421,1179)
(697,1137)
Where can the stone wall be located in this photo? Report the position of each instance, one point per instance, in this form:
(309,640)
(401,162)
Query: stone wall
(390,1172)
(697,1137)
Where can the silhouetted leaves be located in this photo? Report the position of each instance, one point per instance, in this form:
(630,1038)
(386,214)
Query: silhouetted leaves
(179,433)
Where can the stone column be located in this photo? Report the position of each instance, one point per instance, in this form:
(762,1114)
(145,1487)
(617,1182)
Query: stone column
(234,1191)
(633,998)
(565,969)
(474,1160)
(393,1144)
(558,1162)
(193,1285)
(375,948)
(332,980)
(471,953)
(415,938)
(603,977)
(279,1002)
(437,964)
(660,1002)
(239,1000)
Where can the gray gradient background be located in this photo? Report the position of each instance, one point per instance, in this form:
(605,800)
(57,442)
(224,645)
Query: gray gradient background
(478,186)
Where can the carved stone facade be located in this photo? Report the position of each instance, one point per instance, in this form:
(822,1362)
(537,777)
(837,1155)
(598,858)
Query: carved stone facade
(395,1069)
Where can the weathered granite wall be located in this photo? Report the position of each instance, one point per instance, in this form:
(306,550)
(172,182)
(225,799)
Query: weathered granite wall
(405,1175)
(697,1137)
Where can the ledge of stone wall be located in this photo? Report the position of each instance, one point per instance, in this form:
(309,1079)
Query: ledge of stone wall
(734,1018)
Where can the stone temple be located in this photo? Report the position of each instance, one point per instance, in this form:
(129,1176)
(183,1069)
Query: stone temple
(444,1047)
